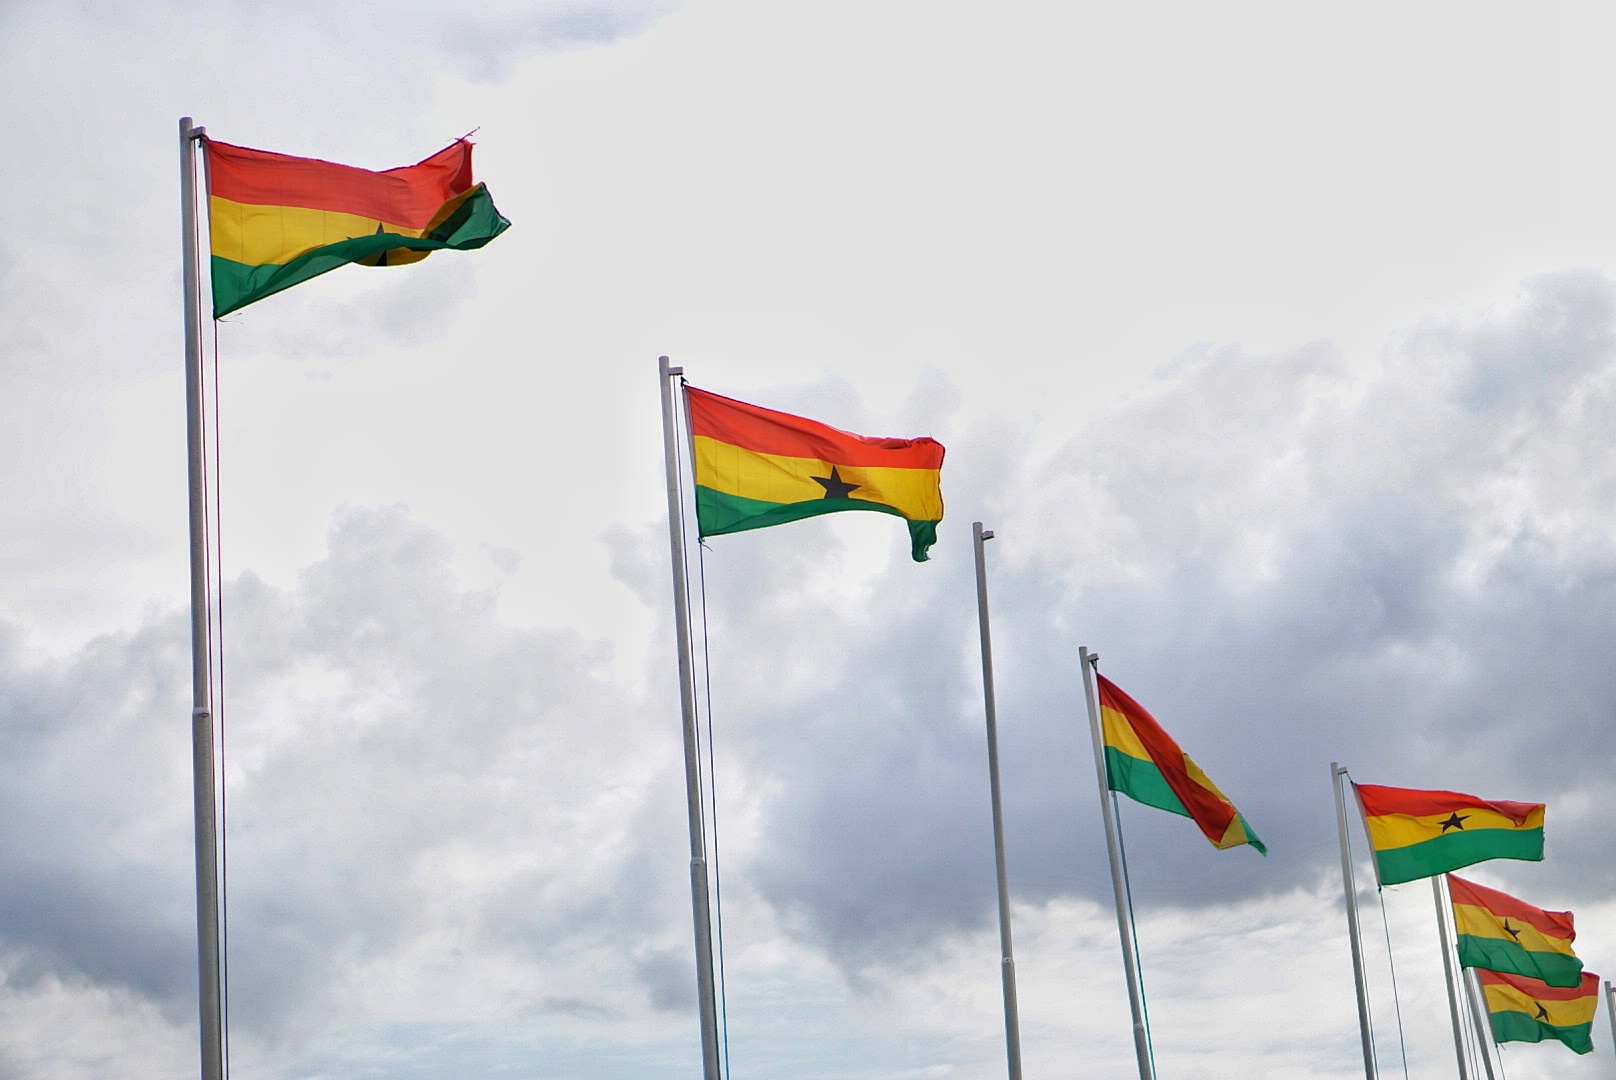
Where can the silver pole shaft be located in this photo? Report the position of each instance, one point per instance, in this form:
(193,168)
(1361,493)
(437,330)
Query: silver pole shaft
(209,981)
(1130,967)
(1447,968)
(1610,1010)
(1336,772)
(1012,1019)
(1478,1012)
(699,909)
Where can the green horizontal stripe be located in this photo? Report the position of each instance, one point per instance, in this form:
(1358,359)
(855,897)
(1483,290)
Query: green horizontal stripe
(472,225)
(1251,834)
(719,513)
(1498,954)
(1443,853)
(1141,781)
(1513,1026)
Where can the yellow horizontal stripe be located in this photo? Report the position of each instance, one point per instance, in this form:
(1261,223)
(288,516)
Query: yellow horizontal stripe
(255,235)
(1234,835)
(1201,778)
(914,493)
(1561,1013)
(1399,830)
(1479,922)
(1120,735)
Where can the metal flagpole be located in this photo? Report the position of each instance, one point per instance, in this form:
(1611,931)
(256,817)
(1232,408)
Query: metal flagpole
(1484,1027)
(1012,1021)
(699,904)
(1141,1040)
(1447,968)
(1336,773)
(1610,1010)
(209,981)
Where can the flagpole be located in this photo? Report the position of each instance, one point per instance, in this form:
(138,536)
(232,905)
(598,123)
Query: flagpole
(699,904)
(209,982)
(1012,1020)
(1141,1039)
(1484,1027)
(1610,1011)
(1447,968)
(1336,772)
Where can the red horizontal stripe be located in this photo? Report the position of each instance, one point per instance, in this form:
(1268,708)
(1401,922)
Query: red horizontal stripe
(1542,991)
(769,432)
(1211,813)
(1555,924)
(408,196)
(1379,801)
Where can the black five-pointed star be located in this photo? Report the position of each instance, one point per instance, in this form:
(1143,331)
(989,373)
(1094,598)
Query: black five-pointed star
(1511,931)
(1455,821)
(1542,1013)
(380,258)
(835,487)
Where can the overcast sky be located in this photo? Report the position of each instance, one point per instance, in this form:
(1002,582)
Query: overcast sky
(1277,347)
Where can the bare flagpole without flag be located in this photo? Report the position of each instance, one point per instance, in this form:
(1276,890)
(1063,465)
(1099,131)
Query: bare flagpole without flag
(209,980)
(1353,938)
(1130,964)
(1610,1011)
(1443,906)
(1012,1020)
(699,903)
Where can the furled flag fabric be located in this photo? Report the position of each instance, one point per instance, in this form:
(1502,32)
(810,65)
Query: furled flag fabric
(1144,763)
(756,467)
(276,221)
(1498,932)
(1419,834)
(1527,1010)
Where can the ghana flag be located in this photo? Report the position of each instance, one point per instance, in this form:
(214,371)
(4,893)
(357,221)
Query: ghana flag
(276,221)
(756,467)
(1498,932)
(1144,763)
(1419,834)
(1527,1010)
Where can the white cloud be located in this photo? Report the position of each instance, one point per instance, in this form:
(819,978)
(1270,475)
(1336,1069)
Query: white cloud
(1228,343)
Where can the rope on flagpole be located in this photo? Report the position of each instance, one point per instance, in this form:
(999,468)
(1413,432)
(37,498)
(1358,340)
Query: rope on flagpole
(1133,932)
(215,515)
(1391,962)
(710,802)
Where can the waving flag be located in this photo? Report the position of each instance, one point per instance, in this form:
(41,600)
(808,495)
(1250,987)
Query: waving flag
(1498,932)
(1419,834)
(756,467)
(1526,1010)
(276,221)
(1144,763)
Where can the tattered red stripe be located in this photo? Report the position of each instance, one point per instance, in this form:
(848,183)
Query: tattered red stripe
(767,431)
(1210,812)
(1379,801)
(1536,988)
(1554,924)
(408,196)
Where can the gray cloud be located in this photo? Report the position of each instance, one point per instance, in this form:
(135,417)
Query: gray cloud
(1287,559)
(402,768)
